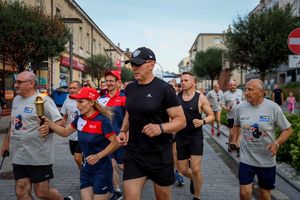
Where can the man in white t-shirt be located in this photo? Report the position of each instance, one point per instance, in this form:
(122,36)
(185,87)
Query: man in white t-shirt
(232,97)
(70,111)
(256,120)
(215,97)
(32,156)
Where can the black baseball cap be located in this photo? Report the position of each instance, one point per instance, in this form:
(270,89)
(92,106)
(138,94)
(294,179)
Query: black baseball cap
(140,56)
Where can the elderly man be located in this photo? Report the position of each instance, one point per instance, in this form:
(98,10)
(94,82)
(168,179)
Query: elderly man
(32,156)
(153,113)
(256,120)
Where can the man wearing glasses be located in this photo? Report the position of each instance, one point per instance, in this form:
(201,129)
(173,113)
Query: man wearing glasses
(153,113)
(32,156)
(115,99)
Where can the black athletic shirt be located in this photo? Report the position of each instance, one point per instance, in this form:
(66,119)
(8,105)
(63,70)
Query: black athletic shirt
(191,111)
(147,104)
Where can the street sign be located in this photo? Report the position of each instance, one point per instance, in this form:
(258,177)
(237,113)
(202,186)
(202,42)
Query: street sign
(294,61)
(294,41)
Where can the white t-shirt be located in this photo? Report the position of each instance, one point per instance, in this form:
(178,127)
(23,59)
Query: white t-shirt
(26,144)
(215,99)
(258,124)
(70,108)
(231,100)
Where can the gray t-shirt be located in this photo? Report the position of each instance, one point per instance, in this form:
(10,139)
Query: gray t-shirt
(231,100)
(258,124)
(215,99)
(70,108)
(27,146)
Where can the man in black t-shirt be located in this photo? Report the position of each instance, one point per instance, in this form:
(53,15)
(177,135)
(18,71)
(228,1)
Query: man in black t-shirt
(277,95)
(153,113)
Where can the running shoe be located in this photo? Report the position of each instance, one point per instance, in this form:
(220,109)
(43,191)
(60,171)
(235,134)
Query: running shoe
(68,198)
(117,195)
(180,180)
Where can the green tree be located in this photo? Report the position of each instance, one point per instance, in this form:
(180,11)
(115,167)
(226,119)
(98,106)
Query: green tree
(28,35)
(126,75)
(208,63)
(258,42)
(96,66)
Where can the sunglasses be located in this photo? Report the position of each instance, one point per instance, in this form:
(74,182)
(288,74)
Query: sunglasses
(20,82)
(86,85)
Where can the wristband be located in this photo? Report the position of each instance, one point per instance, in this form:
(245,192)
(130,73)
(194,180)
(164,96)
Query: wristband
(204,122)
(122,131)
(161,128)
(278,145)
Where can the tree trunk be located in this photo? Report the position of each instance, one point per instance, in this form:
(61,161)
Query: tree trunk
(211,83)
(98,83)
(262,76)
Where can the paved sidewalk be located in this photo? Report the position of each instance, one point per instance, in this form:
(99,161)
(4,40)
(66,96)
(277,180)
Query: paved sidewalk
(283,190)
(219,181)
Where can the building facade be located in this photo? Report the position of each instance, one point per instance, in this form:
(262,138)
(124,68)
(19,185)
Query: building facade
(87,39)
(202,43)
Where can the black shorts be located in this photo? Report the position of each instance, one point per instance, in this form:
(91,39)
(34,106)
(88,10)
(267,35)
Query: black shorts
(186,147)
(36,174)
(156,166)
(230,123)
(74,147)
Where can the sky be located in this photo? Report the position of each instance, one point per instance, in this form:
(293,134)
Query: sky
(168,27)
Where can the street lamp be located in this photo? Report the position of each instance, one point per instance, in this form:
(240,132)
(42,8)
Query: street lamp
(71,21)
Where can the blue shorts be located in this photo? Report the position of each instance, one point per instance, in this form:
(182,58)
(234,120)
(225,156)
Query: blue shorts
(265,175)
(100,181)
(118,155)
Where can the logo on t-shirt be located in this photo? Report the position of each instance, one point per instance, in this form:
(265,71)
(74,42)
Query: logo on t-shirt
(28,110)
(264,118)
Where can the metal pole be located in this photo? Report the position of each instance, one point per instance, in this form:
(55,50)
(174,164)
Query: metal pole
(71,55)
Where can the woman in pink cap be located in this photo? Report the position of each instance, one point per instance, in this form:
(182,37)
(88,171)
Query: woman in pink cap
(96,139)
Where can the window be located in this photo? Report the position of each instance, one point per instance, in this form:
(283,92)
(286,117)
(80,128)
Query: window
(80,37)
(94,46)
(218,40)
(88,43)
(64,76)
(58,12)
(39,3)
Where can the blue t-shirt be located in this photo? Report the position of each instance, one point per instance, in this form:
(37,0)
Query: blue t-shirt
(92,138)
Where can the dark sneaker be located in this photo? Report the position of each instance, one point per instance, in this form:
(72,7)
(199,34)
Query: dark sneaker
(238,152)
(68,198)
(192,187)
(117,195)
(180,180)
(218,134)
